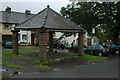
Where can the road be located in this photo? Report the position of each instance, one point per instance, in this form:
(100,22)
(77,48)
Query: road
(105,69)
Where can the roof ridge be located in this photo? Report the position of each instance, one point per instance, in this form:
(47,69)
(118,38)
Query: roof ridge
(30,18)
(67,19)
(45,17)
(49,19)
(18,12)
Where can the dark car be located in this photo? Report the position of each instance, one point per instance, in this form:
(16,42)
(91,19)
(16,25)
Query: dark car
(4,42)
(67,46)
(97,49)
(8,44)
(59,45)
(73,48)
(114,49)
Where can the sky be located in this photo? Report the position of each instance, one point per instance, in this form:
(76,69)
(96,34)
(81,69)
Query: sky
(37,5)
(34,5)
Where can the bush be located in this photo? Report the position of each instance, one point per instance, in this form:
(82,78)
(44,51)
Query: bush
(37,43)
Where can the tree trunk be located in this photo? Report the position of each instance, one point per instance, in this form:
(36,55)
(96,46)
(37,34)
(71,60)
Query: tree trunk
(115,37)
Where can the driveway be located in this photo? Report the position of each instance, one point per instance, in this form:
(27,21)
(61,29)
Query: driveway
(105,69)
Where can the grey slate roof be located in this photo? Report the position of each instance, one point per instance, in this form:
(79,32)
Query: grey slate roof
(13,17)
(48,19)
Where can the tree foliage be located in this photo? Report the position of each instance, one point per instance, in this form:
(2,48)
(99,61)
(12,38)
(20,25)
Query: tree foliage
(103,16)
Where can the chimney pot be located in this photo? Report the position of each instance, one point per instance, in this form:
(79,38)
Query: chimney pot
(48,6)
(8,10)
(27,12)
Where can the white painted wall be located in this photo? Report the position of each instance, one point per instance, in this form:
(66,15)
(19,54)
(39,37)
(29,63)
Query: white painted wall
(71,38)
(28,33)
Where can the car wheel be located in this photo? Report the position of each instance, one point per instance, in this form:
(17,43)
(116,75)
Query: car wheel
(75,51)
(69,50)
(100,54)
(117,52)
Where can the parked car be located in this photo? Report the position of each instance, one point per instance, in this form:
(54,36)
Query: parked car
(114,49)
(97,49)
(67,46)
(8,44)
(73,49)
(4,42)
(59,45)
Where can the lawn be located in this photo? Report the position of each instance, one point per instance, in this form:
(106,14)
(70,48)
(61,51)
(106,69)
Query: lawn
(55,56)
(9,53)
(93,58)
(43,65)
(73,56)
(11,65)
(88,57)
(28,51)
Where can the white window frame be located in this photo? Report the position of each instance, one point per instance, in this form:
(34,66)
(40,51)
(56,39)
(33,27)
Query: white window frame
(19,37)
(24,35)
(7,26)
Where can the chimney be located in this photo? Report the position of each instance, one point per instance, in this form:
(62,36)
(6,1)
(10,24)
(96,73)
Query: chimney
(27,12)
(8,10)
(48,6)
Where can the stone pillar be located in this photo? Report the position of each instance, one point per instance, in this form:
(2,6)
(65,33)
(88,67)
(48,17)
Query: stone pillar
(43,44)
(80,43)
(51,42)
(15,41)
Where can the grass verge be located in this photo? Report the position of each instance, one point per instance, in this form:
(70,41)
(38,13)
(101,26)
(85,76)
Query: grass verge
(74,57)
(11,65)
(88,57)
(9,53)
(43,67)
(93,58)
(85,56)
(28,51)
(6,76)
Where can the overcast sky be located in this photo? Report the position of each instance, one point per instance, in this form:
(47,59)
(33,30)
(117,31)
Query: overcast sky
(34,5)
(37,5)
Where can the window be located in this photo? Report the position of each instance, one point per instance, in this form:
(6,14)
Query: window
(7,26)
(24,37)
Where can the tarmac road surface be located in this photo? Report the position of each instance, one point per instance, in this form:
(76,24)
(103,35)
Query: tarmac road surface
(105,69)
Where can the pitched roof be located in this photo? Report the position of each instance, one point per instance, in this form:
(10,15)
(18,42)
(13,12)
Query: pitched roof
(13,17)
(48,19)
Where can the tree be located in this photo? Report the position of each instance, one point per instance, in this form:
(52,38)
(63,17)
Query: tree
(111,20)
(92,14)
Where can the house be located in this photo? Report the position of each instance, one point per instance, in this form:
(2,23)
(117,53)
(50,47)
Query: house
(87,38)
(9,19)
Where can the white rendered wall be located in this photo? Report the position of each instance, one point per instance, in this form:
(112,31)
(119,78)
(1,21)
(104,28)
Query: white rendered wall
(28,33)
(71,38)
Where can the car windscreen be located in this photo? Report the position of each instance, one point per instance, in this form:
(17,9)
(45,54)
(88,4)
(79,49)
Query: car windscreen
(75,45)
(9,42)
(118,46)
(111,46)
(95,47)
